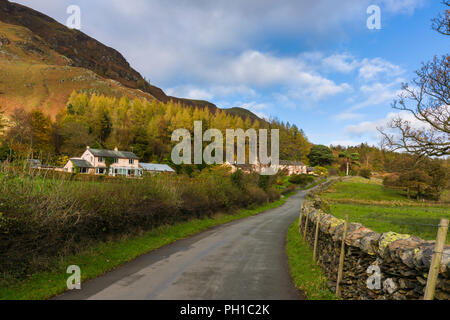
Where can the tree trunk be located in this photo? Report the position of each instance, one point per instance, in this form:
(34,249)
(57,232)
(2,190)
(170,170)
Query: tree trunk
(348,167)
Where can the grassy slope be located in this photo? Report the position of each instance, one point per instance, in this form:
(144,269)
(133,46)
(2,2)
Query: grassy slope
(306,274)
(34,76)
(104,257)
(385,210)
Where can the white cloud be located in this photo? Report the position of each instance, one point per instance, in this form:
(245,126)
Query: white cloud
(211,92)
(259,109)
(341,62)
(378,93)
(345,142)
(347,116)
(370,127)
(254,69)
(190,92)
(370,69)
(402,6)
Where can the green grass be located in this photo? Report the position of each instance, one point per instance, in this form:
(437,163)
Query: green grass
(101,258)
(363,191)
(306,274)
(383,210)
(407,220)
(314,184)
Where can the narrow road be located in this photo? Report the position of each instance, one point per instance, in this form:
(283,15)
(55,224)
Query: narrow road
(242,260)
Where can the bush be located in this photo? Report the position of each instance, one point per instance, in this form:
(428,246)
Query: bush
(288,190)
(321,171)
(365,173)
(41,218)
(333,172)
(301,179)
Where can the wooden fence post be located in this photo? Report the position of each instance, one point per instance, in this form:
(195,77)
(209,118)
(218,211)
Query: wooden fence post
(341,259)
(306,227)
(436,260)
(316,238)
(300,222)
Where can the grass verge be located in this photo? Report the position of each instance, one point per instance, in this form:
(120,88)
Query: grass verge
(306,274)
(104,257)
(418,221)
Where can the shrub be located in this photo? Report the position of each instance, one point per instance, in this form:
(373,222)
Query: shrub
(301,179)
(365,173)
(321,171)
(45,217)
(333,172)
(288,190)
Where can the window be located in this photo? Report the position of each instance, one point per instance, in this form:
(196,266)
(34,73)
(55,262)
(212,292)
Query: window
(131,161)
(100,159)
(116,160)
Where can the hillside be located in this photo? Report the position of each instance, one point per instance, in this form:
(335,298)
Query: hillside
(43,61)
(33,75)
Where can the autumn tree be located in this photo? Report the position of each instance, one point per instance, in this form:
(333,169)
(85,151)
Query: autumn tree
(29,133)
(18,137)
(427,101)
(426,179)
(2,120)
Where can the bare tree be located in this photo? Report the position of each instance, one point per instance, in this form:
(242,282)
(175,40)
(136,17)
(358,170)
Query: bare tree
(428,101)
(442,23)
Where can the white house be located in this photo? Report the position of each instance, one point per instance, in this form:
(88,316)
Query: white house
(111,162)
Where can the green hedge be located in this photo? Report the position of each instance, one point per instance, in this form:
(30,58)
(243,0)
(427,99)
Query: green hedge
(42,218)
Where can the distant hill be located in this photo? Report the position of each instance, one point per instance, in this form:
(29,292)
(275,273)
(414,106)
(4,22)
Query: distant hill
(243,113)
(43,61)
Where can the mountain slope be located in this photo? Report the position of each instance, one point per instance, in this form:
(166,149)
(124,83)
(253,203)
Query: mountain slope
(85,52)
(33,75)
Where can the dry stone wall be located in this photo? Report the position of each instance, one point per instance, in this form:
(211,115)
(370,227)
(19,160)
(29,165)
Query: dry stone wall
(377,266)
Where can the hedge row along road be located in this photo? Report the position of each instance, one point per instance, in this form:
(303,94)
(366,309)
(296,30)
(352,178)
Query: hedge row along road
(242,260)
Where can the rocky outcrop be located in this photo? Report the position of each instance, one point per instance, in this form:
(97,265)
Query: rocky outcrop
(377,266)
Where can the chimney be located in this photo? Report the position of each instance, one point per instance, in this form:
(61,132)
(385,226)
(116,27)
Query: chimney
(116,149)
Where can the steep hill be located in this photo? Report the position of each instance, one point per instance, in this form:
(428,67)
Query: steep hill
(42,61)
(33,75)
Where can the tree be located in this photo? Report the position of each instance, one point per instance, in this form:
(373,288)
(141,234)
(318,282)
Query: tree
(442,23)
(320,155)
(427,131)
(75,137)
(41,132)
(19,135)
(2,120)
(350,158)
(425,179)
(365,173)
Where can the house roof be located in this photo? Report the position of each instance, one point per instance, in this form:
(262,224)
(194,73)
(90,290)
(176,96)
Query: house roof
(113,154)
(156,167)
(34,163)
(80,163)
(291,163)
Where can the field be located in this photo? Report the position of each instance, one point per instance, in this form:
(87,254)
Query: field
(383,210)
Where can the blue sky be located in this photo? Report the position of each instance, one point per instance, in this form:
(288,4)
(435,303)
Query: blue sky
(312,63)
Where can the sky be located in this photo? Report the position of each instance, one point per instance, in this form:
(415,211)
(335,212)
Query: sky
(314,64)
